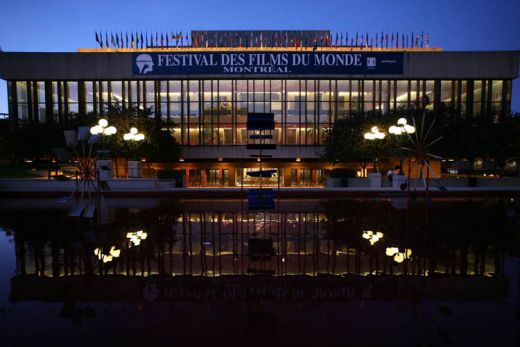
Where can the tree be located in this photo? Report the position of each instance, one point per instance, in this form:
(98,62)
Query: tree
(344,142)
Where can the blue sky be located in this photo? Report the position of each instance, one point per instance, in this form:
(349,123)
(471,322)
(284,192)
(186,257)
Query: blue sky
(453,24)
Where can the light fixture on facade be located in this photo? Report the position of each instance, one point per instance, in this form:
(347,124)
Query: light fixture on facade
(298,158)
(220,159)
(181,159)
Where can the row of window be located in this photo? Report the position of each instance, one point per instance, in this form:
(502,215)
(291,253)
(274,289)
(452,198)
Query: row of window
(198,107)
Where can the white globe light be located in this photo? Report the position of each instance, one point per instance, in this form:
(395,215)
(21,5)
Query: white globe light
(128,137)
(103,123)
(106,132)
(392,129)
(410,129)
(112,130)
(139,137)
(401,121)
(368,136)
(133,130)
(95,130)
(374,129)
(380,136)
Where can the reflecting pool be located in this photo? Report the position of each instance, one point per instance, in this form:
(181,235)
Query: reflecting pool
(398,272)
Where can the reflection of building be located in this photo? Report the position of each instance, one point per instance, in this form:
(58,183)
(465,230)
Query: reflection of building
(205,93)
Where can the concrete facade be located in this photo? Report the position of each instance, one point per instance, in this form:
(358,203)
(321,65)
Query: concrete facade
(111,66)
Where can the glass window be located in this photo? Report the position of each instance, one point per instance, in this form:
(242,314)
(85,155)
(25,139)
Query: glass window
(496,91)
(368,95)
(174,91)
(21,91)
(117,91)
(89,92)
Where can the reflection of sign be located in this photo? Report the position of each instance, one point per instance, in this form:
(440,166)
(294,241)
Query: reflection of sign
(270,63)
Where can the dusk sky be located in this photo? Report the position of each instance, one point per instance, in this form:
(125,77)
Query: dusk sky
(64,26)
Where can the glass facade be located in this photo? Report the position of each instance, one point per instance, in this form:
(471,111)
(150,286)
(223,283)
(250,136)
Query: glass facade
(214,112)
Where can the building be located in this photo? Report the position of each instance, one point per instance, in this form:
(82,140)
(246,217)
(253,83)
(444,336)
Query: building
(205,88)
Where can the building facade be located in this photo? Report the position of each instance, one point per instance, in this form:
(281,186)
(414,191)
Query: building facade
(204,95)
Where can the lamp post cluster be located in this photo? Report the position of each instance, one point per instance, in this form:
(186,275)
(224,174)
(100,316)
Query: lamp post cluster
(102,128)
(374,134)
(402,128)
(133,135)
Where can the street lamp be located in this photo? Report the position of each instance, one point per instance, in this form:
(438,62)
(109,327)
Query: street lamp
(402,128)
(104,130)
(133,135)
(372,135)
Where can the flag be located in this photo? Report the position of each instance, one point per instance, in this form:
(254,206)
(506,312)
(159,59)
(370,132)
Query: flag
(346,38)
(127,39)
(366,41)
(117,40)
(132,41)
(381,38)
(411,40)
(136,40)
(427,40)
(356,38)
(386,40)
(106,40)
(392,40)
(142,41)
(341,40)
(112,40)
(97,38)
(422,38)
(376,39)
(121,41)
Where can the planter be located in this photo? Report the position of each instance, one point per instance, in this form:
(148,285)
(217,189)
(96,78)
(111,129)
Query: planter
(332,182)
(71,137)
(105,168)
(374,179)
(134,169)
(397,181)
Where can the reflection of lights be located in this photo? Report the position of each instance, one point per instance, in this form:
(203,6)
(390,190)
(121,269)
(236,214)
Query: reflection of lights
(371,236)
(399,257)
(113,253)
(136,237)
(283,260)
(390,251)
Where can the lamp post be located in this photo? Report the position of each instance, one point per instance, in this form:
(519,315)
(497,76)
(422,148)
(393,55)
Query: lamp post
(134,166)
(372,135)
(402,128)
(104,130)
(104,166)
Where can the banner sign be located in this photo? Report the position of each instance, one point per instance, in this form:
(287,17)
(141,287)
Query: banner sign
(267,63)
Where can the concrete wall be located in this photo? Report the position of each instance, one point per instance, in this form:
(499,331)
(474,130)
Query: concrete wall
(103,66)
